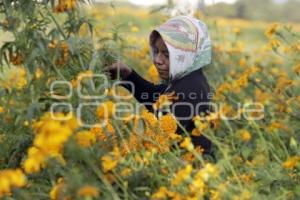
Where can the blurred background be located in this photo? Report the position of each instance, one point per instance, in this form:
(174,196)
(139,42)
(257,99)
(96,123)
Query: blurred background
(266,10)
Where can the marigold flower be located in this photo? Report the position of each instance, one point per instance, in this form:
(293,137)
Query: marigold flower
(291,162)
(187,144)
(35,161)
(209,170)
(297,69)
(274,43)
(160,194)
(244,135)
(242,62)
(10,178)
(110,161)
(88,191)
(182,175)
(126,172)
(237,31)
(38,73)
(149,118)
(16,59)
(51,132)
(168,124)
(103,134)
(85,138)
(275,126)
(106,110)
(135,29)
(65,5)
(57,190)
(164,100)
(13,77)
(273,29)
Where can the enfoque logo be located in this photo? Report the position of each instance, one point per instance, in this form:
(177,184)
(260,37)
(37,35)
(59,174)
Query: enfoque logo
(127,110)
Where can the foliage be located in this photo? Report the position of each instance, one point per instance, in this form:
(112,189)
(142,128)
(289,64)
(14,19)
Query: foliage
(139,156)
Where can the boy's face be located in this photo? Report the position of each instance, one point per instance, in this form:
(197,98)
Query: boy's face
(161,58)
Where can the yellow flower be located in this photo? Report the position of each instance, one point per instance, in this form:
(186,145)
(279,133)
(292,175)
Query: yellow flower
(38,73)
(208,171)
(175,137)
(35,161)
(164,100)
(275,126)
(242,81)
(262,97)
(224,87)
(103,134)
(297,69)
(160,194)
(237,31)
(57,190)
(245,195)
(187,144)
(244,135)
(149,118)
(201,125)
(1,109)
(51,132)
(273,29)
(135,29)
(182,175)
(84,75)
(64,5)
(196,132)
(108,163)
(85,138)
(126,172)
(10,178)
(242,62)
(88,191)
(153,73)
(13,77)
(291,162)
(215,195)
(106,110)
(168,124)
(197,187)
(274,43)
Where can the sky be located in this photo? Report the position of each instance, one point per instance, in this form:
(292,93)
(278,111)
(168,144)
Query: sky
(157,2)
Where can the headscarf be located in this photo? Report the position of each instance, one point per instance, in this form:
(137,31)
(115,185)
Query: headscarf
(188,44)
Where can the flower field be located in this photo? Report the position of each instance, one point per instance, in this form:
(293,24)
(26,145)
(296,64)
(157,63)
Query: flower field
(60,140)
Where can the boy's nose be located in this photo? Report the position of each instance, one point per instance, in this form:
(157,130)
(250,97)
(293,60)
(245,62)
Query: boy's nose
(158,58)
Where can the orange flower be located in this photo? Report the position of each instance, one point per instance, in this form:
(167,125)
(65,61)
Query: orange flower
(88,191)
(106,110)
(273,29)
(291,162)
(16,59)
(168,124)
(64,5)
(164,100)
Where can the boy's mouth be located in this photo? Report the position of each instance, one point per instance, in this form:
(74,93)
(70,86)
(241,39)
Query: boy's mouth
(163,75)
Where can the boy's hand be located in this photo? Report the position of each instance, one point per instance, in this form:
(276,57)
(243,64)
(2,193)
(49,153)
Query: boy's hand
(125,71)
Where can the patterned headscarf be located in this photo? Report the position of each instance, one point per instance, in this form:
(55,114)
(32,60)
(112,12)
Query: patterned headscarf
(188,44)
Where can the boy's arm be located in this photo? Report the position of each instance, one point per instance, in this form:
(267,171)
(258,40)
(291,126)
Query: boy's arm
(143,90)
